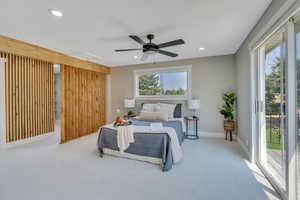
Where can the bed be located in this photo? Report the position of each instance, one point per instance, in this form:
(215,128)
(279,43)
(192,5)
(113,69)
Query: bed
(154,148)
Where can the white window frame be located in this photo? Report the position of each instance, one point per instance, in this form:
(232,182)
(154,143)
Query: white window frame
(138,73)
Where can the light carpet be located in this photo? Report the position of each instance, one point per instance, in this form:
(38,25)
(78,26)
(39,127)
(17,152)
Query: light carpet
(212,169)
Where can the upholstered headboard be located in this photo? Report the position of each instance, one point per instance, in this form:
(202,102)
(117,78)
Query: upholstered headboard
(177,110)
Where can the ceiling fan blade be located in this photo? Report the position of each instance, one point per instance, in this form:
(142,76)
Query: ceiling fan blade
(137,39)
(167,53)
(120,50)
(171,43)
(144,57)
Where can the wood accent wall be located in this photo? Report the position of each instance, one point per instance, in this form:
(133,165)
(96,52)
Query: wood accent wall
(83,102)
(33,51)
(29,97)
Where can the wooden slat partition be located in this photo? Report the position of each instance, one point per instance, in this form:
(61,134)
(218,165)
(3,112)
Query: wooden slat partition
(29,97)
(33,51)
(83,102)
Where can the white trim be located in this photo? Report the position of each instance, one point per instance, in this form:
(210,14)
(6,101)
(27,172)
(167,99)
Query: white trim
(244,147)
(162,97)
(261,131)
(277,28)
(210,134)
(291,112)
(259,38)
(187,68)
(253,104)
(2,103)
(163,69)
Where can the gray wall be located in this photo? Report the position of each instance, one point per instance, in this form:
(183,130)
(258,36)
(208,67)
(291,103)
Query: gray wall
(211,77)
(243,74)
(57,96)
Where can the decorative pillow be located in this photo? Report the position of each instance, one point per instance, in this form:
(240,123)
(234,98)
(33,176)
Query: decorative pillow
(148,107)
(161,116)
(153,116)
(167,108)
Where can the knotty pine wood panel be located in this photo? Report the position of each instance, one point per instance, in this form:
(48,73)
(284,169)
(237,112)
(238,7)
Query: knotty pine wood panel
(83,102)
(29,97)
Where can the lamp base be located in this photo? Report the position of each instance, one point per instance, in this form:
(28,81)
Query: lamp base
(195,116)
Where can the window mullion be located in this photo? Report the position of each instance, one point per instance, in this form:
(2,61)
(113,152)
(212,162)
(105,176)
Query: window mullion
(161,83)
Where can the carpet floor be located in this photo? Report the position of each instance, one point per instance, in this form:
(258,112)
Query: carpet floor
(212,169)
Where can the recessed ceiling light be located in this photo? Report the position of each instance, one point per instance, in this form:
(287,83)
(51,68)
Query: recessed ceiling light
(55,12)
(201,48)
(135,57)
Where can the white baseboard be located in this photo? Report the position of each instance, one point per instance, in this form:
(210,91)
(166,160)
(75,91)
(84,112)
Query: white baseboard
(211,134)
(208,134)
(27,140)
(244,147)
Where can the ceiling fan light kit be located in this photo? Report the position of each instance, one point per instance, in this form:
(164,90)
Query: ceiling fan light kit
(152,48)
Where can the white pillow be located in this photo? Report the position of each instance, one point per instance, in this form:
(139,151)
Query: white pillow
(153,116)
(167,108)
(148,107)
(161,116)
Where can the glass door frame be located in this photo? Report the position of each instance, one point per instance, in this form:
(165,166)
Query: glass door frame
(261,158)
(290,193)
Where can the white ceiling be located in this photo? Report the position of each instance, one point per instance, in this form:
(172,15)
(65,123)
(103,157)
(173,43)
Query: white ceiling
(93,29)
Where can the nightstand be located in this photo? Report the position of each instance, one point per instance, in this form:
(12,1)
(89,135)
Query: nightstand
(195,121)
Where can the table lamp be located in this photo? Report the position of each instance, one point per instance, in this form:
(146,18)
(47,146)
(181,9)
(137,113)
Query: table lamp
(194,104)
(129,103)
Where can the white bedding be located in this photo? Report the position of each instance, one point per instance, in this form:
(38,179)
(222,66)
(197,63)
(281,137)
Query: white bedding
(182,122)
(174,119)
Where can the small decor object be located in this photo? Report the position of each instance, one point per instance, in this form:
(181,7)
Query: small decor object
(194,104)
(228,112)
(129,103)
(118,119)
(195,120)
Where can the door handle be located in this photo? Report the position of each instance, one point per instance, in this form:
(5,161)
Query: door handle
(258,106)
(261,106)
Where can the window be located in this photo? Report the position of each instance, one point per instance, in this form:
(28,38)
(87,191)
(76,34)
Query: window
(170,83)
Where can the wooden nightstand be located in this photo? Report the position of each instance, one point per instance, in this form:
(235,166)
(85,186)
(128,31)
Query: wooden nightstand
(195,121)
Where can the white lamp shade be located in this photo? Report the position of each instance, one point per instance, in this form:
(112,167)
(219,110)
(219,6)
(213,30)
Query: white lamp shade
(129,103)
(194,104)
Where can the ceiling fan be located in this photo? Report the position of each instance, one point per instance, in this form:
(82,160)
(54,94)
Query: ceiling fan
(152,48)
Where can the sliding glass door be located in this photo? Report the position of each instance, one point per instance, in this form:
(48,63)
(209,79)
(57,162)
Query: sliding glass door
(272,94)
(277,107)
